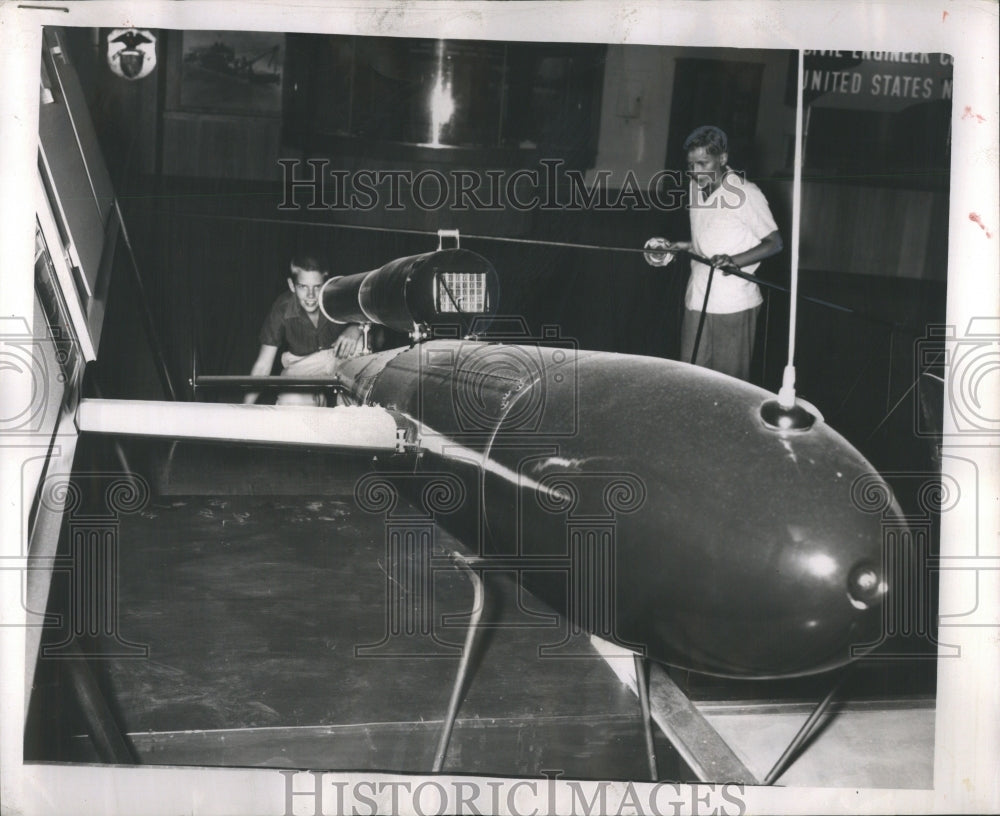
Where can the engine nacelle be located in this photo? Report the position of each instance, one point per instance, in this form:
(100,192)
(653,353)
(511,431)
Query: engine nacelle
(444,291)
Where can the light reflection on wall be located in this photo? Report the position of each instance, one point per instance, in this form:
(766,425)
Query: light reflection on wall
(351,96)
(441,101)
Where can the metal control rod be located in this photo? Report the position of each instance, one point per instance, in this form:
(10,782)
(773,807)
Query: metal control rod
(264,383)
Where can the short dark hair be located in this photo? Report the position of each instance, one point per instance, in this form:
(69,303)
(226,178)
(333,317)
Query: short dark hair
(710,137)
(307,263)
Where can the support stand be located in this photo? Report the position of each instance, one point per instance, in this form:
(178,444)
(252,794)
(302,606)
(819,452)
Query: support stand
(458,687)
(806,731)
(109,742)
(642,688)
(693,737)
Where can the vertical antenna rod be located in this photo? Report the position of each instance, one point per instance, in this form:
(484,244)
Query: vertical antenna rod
(786,396)
(783,414)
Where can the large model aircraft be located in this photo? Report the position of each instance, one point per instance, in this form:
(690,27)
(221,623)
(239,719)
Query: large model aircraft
(732,537)
(744,545)
(738,539)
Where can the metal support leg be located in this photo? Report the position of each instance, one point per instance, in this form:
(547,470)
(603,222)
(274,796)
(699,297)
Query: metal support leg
(458,687)
(807,729)
(647,721)
(112,747)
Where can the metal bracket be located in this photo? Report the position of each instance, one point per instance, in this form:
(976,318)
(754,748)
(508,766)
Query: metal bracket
(366,346)
(420,333)
(447,233)
(400,440)
(404,446)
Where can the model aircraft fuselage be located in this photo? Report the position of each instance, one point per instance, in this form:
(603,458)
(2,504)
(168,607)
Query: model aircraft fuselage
(654,502)
(718,544)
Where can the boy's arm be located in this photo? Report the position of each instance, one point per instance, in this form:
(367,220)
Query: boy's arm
(348,342)
(770,244)
(261,368)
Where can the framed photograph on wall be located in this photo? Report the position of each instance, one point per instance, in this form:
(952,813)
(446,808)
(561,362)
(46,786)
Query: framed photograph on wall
(231,72)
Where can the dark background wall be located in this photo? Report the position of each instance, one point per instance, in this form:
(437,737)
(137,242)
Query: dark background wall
(200,190)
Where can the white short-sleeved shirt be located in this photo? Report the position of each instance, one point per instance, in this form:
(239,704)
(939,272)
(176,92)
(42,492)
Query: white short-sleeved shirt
(731,220)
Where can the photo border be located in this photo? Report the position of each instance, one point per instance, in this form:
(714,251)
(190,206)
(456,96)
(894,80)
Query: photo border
(967,729)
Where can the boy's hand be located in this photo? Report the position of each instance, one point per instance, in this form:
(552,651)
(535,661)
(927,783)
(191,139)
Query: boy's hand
(348,343)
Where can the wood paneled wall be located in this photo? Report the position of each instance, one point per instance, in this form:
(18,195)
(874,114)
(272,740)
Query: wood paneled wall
(862,229)
(202,145)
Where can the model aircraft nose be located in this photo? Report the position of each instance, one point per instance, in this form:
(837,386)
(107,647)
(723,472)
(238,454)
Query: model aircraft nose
(865,585)
(774,600)
(831,593)
(859,581)
(752,555)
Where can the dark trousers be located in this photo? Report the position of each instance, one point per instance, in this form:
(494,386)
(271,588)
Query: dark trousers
(726,340)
